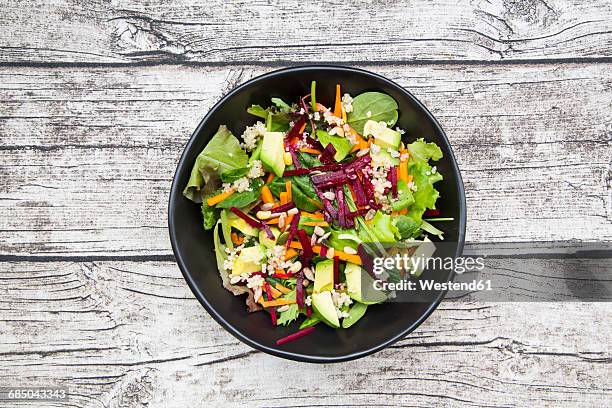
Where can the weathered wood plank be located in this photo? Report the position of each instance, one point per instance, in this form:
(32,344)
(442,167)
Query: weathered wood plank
(64,31)
(120,333)
(87,156)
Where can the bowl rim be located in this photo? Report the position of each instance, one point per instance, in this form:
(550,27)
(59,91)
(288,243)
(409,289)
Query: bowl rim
(176,191)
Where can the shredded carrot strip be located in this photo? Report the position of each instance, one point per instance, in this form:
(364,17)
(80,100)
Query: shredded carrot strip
(236,239)
(302,128)
(338,105)
(356,259)
(270,178)
(260,300)
(312,215)
(343,115)
(219,197)
(403,171)
(275,292)
(266,195)
(277,302)
(281,288)
(403,211)
(283,198)
(320,107)
(316,223)
(273,221)
(291,253)
(310,150)
(288,188)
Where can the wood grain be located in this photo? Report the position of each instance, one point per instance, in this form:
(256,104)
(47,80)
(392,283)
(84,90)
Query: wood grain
(130,334)
(88,155)
(272,31)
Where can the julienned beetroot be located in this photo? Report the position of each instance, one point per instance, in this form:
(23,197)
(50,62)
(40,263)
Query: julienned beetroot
(295,335)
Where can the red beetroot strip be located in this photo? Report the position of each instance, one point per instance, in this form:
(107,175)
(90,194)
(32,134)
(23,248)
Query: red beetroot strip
(293,229)
(336,270)
(272,309)
(340,199)
(393,173)
(283,207)
(299,289)
(295,335)
(432,213)
(307,253)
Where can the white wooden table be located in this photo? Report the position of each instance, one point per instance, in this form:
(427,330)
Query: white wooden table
(98,98)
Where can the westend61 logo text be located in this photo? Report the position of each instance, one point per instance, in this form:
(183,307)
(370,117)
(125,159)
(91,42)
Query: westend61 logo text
(419,263)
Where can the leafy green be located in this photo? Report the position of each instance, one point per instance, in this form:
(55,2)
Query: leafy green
(290,314)
(229,176)
(308,160)
(310,321)
(383,228)
(241,200)
(423,151)
(355,313)
(279,121)
(222,153)
(381,107)
(226,230)
(407,226)
(302,191)
(281,105)
(221,256)
(210,215)
(340,244)
(404,197)
(432,230)
(341,144)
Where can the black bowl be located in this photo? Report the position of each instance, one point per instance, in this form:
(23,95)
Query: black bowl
(193,247)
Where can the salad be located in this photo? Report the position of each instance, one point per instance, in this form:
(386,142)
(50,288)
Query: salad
(300,202)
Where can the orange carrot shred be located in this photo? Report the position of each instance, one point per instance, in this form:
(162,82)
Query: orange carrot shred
(270,178)
(219,197)
(338,105)
(310,150)
(288,188)
(266,195)
(302,128)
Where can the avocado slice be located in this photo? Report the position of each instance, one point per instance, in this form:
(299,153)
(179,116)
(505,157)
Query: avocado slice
(241,225)
(342,145)
(354,314)
(388,138)
(359,285)
(272,150)
(267,242)
(383,136)
(384,153)
(323,305)
(324,276)
(249,260)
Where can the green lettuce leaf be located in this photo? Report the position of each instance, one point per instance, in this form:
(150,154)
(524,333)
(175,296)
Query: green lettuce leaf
(381,107)
(290,314)
(383,228)
(279,120)
(404,198)
(302,191)
(241,200)
(281,105)
(407,226)
(222,153)
(229,176)
(221,256)
(423,151)
(210,215)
